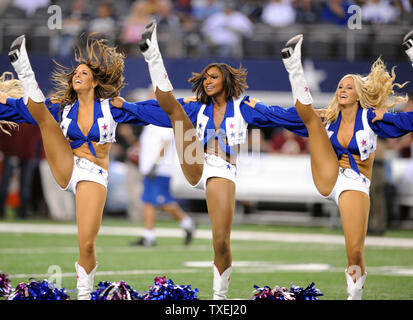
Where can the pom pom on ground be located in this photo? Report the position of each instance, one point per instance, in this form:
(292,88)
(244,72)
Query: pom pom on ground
(36,290)
(282,293)
(163,289)
(309,293)
(5,286)
(114,291)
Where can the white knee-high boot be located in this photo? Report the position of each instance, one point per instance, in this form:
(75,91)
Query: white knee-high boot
(292,61)
(221,283)
(150,50)
(84,282)
(355,289)
(408,45)
(21,64)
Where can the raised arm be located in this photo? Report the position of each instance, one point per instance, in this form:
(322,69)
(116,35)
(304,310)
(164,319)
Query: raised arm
(390,125)
(261,115)
(16,110)
(148,112)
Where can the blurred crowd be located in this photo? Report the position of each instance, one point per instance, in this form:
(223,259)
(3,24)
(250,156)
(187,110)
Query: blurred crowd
(197,28)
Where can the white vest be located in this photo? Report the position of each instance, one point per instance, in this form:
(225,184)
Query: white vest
(366,138)
(236,126)
(107,125)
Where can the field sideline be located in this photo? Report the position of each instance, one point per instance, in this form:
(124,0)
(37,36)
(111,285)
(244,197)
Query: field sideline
(262,255)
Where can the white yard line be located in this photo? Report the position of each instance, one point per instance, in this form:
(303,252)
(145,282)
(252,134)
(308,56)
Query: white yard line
(206,234)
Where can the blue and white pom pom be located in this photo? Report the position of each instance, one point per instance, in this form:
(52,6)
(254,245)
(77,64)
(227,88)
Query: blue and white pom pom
(282,293)
(114,291)
(36,290)
(309,293)
(167,290)
(5,286)
(266,293)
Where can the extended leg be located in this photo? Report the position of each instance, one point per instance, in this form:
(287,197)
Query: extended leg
(324,162)
(57,149)
(408,45)
(189,149)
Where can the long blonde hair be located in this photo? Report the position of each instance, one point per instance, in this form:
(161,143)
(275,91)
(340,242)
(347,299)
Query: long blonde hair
(374,90)
(14,89)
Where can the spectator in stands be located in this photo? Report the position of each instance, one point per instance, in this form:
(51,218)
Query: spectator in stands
(224,32)
(104,23)
(30,6)
(286,142)
(252,9)
(307,11)
(133,26)
(169,29)
(379,12)
(20,150)
(336,11)
(74,23)
(278,13)
(203,10)
(182,7)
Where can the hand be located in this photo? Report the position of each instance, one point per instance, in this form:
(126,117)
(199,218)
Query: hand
(190,99)
(117,102)
(252,102)
(321,113)
(3,97)
(379,114)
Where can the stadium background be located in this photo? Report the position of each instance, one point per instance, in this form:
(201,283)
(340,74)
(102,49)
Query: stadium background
(331,49)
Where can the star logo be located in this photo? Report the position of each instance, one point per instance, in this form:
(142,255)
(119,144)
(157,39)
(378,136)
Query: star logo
(200,126)
(228,166)
(100,171)
(105,136)
(231,126)
(105,126)
(232,134)
(166,76)
(313,76)
(63,127)
(306,89)
(363,143)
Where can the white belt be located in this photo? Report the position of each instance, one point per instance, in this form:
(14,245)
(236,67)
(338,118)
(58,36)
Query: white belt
(217,162)
(83,163)
(350,173)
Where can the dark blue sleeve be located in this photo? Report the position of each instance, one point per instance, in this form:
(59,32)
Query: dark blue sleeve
(274,116)
(150,112)
(16,110)
(393,125)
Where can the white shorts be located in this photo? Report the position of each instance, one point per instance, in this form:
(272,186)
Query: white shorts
(86,170)
(215,166)
(348,179)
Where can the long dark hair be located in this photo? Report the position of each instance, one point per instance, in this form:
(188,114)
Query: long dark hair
(234,82)
(106,64)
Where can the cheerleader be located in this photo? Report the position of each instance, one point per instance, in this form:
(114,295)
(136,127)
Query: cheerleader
(78,127)
(222,115)
(342,148)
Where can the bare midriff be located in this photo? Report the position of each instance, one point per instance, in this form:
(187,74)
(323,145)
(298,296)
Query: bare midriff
(102,153)
(365,167)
